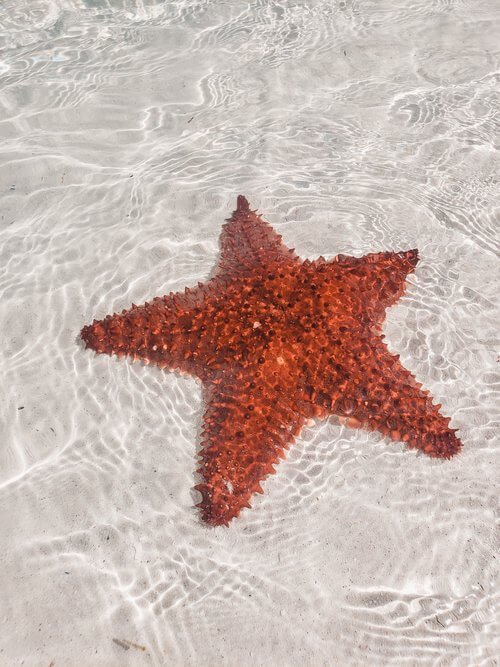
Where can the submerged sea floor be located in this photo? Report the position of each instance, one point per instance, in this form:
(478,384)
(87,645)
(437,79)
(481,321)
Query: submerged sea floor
(127,128)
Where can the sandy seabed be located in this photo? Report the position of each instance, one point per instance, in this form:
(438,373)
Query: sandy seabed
(127,128)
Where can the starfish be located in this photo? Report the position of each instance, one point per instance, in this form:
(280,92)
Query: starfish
(277,341)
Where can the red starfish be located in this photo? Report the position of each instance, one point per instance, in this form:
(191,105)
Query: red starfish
(276,341)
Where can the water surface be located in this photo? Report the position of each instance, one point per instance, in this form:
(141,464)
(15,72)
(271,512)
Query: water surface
(127,128)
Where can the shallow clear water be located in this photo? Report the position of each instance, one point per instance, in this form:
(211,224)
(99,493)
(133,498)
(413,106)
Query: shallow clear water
(127,130)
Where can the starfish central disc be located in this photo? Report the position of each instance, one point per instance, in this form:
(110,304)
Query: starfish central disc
(276,340)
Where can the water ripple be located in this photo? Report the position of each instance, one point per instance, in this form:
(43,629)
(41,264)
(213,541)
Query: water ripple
(127,128)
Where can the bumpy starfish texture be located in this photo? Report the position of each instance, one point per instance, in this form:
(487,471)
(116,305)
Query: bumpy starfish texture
(277,341)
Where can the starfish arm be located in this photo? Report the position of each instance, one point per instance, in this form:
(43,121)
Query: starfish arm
(373,390)
(248,425)
(371,283)
(248,243)
(167,332)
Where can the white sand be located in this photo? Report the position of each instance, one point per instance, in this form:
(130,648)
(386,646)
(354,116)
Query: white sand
(127,129)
